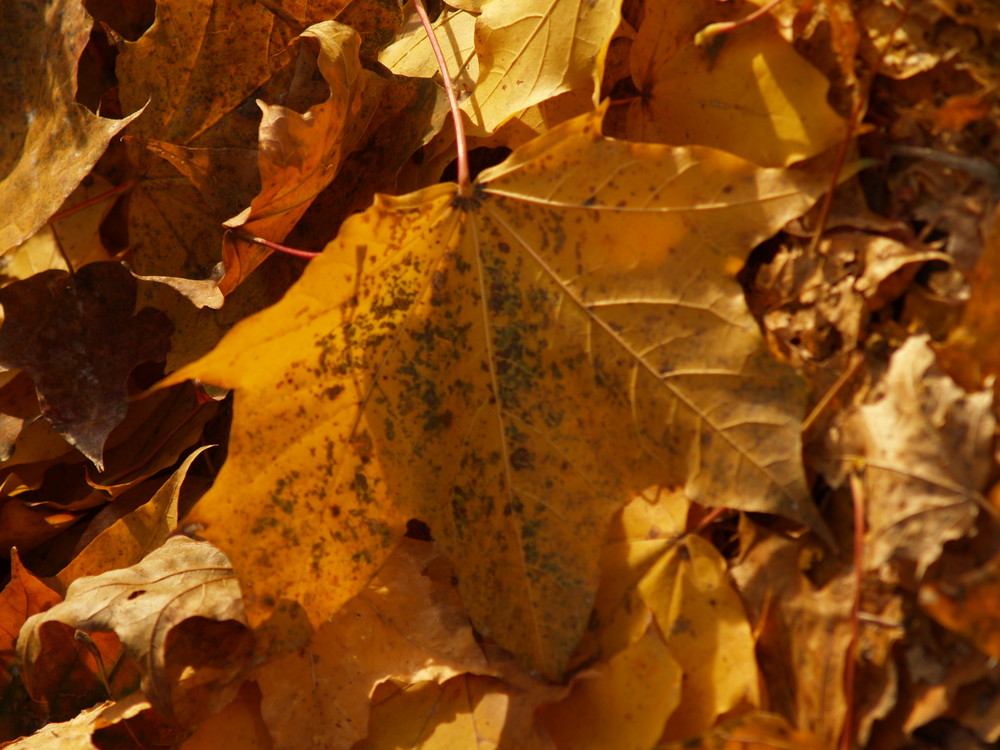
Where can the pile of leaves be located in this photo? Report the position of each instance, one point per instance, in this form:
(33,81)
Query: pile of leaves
(674,426)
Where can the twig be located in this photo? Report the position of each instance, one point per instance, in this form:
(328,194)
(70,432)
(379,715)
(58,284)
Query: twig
(464,183)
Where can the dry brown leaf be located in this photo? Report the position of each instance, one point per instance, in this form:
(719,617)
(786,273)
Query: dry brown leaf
(178,614)
(50,142)
(78,338)
(925,448)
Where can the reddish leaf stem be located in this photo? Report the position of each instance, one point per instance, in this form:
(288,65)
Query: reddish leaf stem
(275,246)
(464,183)
(851,666)
(127,185)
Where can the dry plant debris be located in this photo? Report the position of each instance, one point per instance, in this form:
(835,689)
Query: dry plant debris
(650,404)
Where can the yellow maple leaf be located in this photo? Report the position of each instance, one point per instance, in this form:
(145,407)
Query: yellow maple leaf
(508,367)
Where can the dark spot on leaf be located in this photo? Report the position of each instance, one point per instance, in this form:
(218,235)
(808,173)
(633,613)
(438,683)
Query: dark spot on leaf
(136,594)
(522,459)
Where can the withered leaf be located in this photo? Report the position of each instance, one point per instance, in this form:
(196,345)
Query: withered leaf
(179,615)
(49,142)
(77,336)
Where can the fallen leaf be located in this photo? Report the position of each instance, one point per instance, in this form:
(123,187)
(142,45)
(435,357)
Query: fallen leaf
(23,596)
(623,703)
(411,54)
(130,539)
(705,628)
(970,352)
(482,343)
(179,615)
(468,711)
(752,95)
(925,445)
(402,626)
(192,69)
(50,142)
(753,731)
(301,153)
(525,57)
(77,733)
(239,724)
(78,339)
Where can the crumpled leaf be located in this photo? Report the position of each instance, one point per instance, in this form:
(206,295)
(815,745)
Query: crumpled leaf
(403,626)
(300,154)
(504,367)
(78,338)
(78,732)
(179,615)
(926,450)
(752,94)
(526,56)
(49,141)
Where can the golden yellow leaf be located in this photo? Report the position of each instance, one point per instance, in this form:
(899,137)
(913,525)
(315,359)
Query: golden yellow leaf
(706,629)
(402,626)
(411,53)
(468,711)
(623,703)
(532,50)
(753,95)
(508,367)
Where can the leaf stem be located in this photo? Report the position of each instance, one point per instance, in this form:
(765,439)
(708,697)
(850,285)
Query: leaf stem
(464,183)
(275,246)
(127,185)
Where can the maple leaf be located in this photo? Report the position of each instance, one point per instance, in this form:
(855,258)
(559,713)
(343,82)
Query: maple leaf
(504,367)
(78,338)
(925,444)
(50,141)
